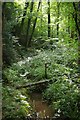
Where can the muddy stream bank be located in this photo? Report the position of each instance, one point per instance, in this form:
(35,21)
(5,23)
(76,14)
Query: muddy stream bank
(41,107)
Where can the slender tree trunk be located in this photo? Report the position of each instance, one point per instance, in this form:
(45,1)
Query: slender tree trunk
(29,42)
(41,18)
(48,18)
(58,12)
(52,31)
(68,24)
(77,21)
(3,14)
(79,38)
(24,14)
(76,18)
(1,47)
(29,21)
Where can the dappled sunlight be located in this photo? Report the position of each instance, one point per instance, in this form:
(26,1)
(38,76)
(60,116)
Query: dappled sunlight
(41,60)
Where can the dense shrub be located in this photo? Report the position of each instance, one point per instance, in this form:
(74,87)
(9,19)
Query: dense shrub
(63,96)
(15,103)
(63,93)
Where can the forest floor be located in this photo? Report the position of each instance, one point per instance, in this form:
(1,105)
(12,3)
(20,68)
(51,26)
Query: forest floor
(46,61)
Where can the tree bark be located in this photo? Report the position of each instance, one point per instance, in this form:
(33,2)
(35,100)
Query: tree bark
(29,42)
(79,39)
(29,21)
(48,18)
(58,12)
(77,21)
(68,24)
(39,83)
(41,19)
(76,18)
(3,14)
(24,14)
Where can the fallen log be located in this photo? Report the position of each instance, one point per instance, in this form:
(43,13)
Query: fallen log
(33,84)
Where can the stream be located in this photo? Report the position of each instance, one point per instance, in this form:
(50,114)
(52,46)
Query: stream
(41,108)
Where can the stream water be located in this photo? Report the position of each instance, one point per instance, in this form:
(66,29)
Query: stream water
(40,106)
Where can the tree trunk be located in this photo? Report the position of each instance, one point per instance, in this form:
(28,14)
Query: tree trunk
(1,41)
(28,25)
(41,19)
(68,24)
(76,18)
(77,21)
(3,14)
(24,14)
(79,39)
(29,42)
(58,12)
(48,18)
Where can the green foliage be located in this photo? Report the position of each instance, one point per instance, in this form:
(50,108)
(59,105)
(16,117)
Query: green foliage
(64,96)
(61,67)
(10,14)
(15,103)
(60,55)
(60,59)
(8,53)
(13,76)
